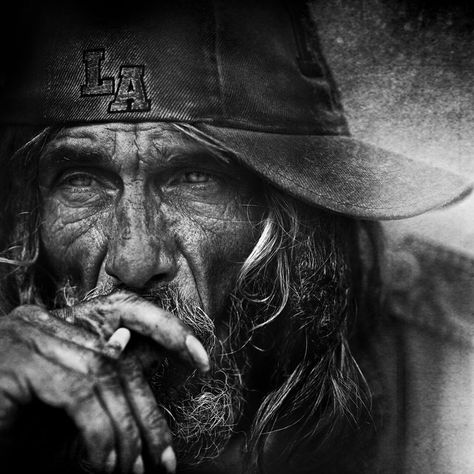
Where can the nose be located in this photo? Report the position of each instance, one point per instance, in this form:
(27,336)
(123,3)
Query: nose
(139,250)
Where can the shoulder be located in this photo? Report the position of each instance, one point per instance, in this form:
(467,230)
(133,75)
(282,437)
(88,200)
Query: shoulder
(426,352)
(432,287)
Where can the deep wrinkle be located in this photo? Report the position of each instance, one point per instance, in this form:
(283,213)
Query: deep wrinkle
(210,216)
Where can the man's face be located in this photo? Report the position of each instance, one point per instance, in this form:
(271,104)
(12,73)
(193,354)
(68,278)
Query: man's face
(140,205)
(148,208)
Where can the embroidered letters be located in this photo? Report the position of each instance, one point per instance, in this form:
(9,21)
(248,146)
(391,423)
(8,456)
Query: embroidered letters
(130,95)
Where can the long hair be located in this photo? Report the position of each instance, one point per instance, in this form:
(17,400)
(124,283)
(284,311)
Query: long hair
(313,286)
(20,214)
(314,388)
(311,274)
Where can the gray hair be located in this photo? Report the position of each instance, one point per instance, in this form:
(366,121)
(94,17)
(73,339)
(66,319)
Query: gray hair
(307,276)
(305,281)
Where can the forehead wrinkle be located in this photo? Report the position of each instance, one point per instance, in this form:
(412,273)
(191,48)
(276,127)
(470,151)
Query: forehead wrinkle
(83,138)
(131,149)
(113,151)
(76,133)
(167,135)
(70,150)
(164,151)
(70,141)
(138,154)
(176,146)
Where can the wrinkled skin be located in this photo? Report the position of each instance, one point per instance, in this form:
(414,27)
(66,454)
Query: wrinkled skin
(138,205)
(124,206)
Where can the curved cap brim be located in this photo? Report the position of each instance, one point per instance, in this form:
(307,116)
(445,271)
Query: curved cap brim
(343,174)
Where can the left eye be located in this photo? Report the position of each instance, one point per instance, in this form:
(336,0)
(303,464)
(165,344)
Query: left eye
(196,177)
(79,180)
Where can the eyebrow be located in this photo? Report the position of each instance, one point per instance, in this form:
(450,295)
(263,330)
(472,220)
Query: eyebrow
(76,154)
(82,150)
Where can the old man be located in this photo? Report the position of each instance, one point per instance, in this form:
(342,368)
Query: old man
(189,275)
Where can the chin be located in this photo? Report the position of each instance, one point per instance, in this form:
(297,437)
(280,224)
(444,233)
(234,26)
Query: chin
(202,411)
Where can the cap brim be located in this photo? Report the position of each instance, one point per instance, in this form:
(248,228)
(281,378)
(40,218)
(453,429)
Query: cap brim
(343,174)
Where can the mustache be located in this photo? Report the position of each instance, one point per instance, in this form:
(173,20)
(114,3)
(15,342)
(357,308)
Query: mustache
(161,295)
(164,295)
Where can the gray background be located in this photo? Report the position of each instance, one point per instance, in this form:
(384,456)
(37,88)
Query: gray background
(406,74)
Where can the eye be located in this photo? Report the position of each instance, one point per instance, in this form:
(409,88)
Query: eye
(81,188)
(192,177)
(79,180)
(196,177)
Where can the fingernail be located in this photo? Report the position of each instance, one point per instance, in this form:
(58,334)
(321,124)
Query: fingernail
(138,467)
(168,459)
(198,353)
(119,339)
(111,460)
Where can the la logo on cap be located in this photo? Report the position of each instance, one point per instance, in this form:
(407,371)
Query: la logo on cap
(130,95)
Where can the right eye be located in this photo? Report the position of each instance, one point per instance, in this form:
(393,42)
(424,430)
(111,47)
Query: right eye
(79,180)
(82,188)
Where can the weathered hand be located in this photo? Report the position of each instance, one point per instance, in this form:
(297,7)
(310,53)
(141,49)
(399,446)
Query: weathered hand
(73,360)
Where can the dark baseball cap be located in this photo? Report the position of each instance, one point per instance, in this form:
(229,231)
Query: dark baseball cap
(250,74)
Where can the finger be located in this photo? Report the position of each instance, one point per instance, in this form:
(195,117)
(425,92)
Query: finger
(127,435)
(74,392)
(86,385)
(117,343)
(67,353)
(138,467)
(168,459)
(97,433)
(154,430)
(41,321)
(63,374)
(69,339)
(95,315)
(55,385)
(166,329)
(10,409)
(106,314)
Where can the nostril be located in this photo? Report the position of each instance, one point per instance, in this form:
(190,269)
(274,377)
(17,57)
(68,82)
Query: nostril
(109,270)
(159,280)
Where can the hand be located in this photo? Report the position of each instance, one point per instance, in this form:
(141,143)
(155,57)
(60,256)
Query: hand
(73,361)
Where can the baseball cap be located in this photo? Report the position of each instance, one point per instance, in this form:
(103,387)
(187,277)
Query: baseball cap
(250,74)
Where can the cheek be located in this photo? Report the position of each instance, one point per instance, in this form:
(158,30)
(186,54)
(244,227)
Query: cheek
(226,253)
(73,241)
(215,246)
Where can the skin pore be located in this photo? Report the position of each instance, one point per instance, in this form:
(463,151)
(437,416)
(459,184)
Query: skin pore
(145,208)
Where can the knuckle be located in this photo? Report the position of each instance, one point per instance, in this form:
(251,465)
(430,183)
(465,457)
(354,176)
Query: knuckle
(156,419)
(104,369)
(99,435)
(111,352)
(97,316)
(29,314)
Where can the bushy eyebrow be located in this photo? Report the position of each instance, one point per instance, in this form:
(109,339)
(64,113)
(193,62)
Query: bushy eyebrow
(84,151)
(63,154)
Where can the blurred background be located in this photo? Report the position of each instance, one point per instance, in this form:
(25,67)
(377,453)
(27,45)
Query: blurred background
(406,74)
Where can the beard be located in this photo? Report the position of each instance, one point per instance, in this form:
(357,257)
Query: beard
(202,410)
